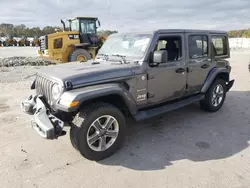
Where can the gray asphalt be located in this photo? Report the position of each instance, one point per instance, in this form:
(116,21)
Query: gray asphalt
(187,148)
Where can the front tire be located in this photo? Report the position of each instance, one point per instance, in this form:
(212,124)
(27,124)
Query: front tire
(98,131)
(214,97)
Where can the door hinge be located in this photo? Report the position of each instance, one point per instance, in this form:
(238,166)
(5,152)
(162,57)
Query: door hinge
(186,86)
(187,69)
(150,95)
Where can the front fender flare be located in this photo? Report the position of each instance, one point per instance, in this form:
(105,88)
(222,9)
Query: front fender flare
(91,92)
(211,76)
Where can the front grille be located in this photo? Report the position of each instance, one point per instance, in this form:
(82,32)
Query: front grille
(43,43)
(43,87)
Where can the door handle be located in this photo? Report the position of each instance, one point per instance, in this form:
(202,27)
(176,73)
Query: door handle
(180,70)
(204,66)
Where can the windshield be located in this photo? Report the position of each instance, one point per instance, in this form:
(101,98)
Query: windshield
(129,45)
(75,25)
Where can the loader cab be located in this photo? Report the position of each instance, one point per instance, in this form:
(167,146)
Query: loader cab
(87,27)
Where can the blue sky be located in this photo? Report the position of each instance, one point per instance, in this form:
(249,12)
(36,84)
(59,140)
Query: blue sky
(125,15)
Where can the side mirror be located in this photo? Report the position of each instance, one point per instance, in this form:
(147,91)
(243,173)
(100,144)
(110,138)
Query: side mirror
(160,56)
(99,25)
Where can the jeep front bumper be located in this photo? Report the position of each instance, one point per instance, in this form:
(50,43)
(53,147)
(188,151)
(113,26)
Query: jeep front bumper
(45,124)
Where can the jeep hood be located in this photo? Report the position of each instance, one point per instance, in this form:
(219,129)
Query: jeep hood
(86,72)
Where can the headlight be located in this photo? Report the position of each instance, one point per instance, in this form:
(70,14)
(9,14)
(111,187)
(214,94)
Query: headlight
(56,91)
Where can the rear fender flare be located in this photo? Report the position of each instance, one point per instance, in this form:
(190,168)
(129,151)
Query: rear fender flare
(91,92)
(211,76)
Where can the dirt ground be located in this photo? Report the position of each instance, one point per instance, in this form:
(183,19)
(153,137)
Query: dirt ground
(187,148)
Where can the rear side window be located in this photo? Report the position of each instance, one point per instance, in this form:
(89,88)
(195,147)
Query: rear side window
(220,45)
(198,46)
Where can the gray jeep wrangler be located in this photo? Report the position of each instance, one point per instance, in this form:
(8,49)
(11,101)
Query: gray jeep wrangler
(135,75)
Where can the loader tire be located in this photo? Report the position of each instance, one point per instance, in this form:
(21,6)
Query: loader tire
(79,55)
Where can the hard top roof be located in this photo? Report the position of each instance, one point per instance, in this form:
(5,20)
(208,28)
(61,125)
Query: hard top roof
(190,31)
(161,31)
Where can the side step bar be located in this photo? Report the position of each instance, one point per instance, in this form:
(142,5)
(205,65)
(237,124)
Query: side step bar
(142,115)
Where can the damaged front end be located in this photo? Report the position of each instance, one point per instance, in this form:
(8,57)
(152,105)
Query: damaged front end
(43,121)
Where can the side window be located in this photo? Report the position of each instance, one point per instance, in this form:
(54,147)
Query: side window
(220,45)
(91,28)
(84,27)
(173,45)
(161,44)
(198,46)
(58,43)
(88,27)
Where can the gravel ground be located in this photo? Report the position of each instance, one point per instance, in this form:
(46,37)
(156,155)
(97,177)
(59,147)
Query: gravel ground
(186,148)
(21,56)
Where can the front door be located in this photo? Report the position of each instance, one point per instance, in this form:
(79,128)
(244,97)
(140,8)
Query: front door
(168,80)
(199,63)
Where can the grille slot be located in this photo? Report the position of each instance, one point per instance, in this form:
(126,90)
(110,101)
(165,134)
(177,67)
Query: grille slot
(43,87)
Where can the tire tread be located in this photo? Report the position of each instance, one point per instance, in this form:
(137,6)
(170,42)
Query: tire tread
(75,53)
(205,103)
(78,126)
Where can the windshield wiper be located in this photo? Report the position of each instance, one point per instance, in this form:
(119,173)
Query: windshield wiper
(123,57)
(105,56)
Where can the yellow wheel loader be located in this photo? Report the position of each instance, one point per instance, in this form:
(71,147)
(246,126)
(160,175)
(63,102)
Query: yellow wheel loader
(21,42)
(80,43)
(35,42)
(10,41)
(24,42)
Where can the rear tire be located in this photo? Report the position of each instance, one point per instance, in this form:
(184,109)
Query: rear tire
(88,137)
(214,97)
(74,56)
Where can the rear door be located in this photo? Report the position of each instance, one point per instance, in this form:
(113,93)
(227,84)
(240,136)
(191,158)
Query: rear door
(198,61)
